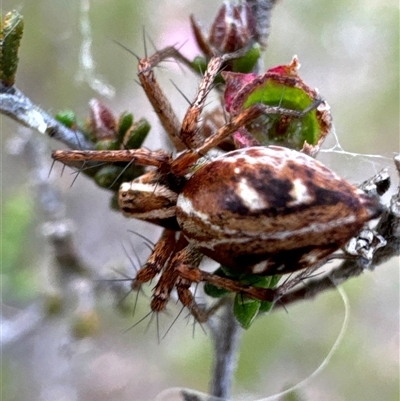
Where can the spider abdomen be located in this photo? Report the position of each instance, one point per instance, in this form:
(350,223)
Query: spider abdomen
(270,209)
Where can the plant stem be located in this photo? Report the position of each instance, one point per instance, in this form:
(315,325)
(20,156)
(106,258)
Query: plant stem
(226,335)
(20,108)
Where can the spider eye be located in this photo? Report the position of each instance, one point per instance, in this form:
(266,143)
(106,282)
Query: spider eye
(123,194)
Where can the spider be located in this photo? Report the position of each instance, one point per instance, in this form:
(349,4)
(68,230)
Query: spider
(256,210)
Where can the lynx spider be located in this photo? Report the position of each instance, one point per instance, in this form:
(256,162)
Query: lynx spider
(153,196)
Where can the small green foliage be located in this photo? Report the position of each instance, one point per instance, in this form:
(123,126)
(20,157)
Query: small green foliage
(248,61)
(244,64)
(273,282)
(124,123)
(67,118)
(199,64)
(12,28)
(280,86)
(107,175)
(245,308)
(292,132)
(214,291)
(106,132)
(70,120)
(128,134)
(137,134)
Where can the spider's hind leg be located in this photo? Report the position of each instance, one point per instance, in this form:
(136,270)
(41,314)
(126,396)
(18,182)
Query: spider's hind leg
(197,275)
(187,299)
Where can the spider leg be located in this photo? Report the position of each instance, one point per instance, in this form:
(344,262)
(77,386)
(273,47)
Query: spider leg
(144,157)
(188,132)
(187,299)
(186,135)
(156,96)
(188,256)
(182,164)
(248,115)
(157,260)
(197,275)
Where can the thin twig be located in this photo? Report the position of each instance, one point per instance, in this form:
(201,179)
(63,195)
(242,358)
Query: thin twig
(226,335)
(20,108)
(262,11)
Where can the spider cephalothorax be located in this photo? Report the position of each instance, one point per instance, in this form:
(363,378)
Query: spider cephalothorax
(258,210)
(152,197)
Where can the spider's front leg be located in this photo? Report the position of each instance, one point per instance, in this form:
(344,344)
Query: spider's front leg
(156,96)
(143,157)
(189,132)
(188,135)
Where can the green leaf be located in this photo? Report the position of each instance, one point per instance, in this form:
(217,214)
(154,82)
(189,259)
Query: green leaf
(137,134)
(67,118)
(214,291)
(248,61)
(108,175)
(272,129)
(124,123)
(10,38)
(283,87)
(245,310)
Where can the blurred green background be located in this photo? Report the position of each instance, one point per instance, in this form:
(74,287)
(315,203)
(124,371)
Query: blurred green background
(349,50)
